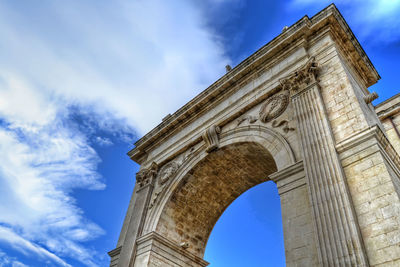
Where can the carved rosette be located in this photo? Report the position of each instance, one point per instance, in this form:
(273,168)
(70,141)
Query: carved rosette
(147,175)
(211,138)
(273,107)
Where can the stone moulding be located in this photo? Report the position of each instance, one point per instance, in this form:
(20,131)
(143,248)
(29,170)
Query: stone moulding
(289,178)
(260,134)
(154,242)
(374,132)
(227,84)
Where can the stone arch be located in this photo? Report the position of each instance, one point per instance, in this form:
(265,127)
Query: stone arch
(346,172)
(245,158)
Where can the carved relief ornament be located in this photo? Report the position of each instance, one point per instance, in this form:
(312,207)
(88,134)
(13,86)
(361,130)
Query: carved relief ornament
(276,104)
(165,174)
(210,137)
(167,171)
(273,107)
(147,175)
(302,77)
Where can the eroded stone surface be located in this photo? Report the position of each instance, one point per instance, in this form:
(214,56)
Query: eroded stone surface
(209,188)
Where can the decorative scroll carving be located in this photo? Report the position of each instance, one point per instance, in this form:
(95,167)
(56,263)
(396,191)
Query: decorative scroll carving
(249,118)
(283,123)
(147,176)
(273,107)
(301,77)
(370,97)
(211,138)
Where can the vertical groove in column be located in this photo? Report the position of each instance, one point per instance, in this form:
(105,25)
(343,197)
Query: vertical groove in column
(337,187)
(330,182)
(325,183)
(347,213)
(337,235)
(326,255)
(322,202)
(315,211)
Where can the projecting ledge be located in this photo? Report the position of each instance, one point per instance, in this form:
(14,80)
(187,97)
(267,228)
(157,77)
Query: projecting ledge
(153,247)
(289,178)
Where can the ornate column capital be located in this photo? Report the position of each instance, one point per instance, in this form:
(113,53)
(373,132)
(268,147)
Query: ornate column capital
(301,78)
(147,176)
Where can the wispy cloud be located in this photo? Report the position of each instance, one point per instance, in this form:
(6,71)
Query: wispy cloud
(6,261)
(120,66)
(376,21)
(26,247)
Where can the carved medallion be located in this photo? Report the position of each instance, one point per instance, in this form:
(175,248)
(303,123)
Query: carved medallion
(273,107)
(167,171)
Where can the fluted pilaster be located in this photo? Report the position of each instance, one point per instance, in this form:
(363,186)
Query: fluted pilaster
(338,236)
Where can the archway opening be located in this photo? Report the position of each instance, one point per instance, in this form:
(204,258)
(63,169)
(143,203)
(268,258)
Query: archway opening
(250,231)
(209,188)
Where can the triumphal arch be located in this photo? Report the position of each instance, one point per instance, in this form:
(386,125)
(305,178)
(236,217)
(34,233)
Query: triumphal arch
(297,112)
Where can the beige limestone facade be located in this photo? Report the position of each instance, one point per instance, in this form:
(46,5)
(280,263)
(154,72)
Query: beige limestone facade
(297,112)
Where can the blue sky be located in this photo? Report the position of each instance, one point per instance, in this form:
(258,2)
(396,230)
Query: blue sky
(80,81)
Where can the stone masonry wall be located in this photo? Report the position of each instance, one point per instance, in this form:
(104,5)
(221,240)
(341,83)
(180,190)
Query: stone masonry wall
(377,205)
(208,189)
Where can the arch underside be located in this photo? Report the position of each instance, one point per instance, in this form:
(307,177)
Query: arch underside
(207,190)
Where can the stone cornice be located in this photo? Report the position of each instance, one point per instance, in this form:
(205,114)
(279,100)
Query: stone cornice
(287,172)
(391,110)
(153,236)
(302,29)
(115,252)
(373,132)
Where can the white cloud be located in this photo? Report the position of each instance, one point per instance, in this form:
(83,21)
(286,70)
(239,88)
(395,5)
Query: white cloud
(375,21)
(25,247)
(122,66)
(103,141)
(38,171)
(139,60)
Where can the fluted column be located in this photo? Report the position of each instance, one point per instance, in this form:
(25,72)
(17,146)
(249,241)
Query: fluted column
(338,237)
(143,189)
